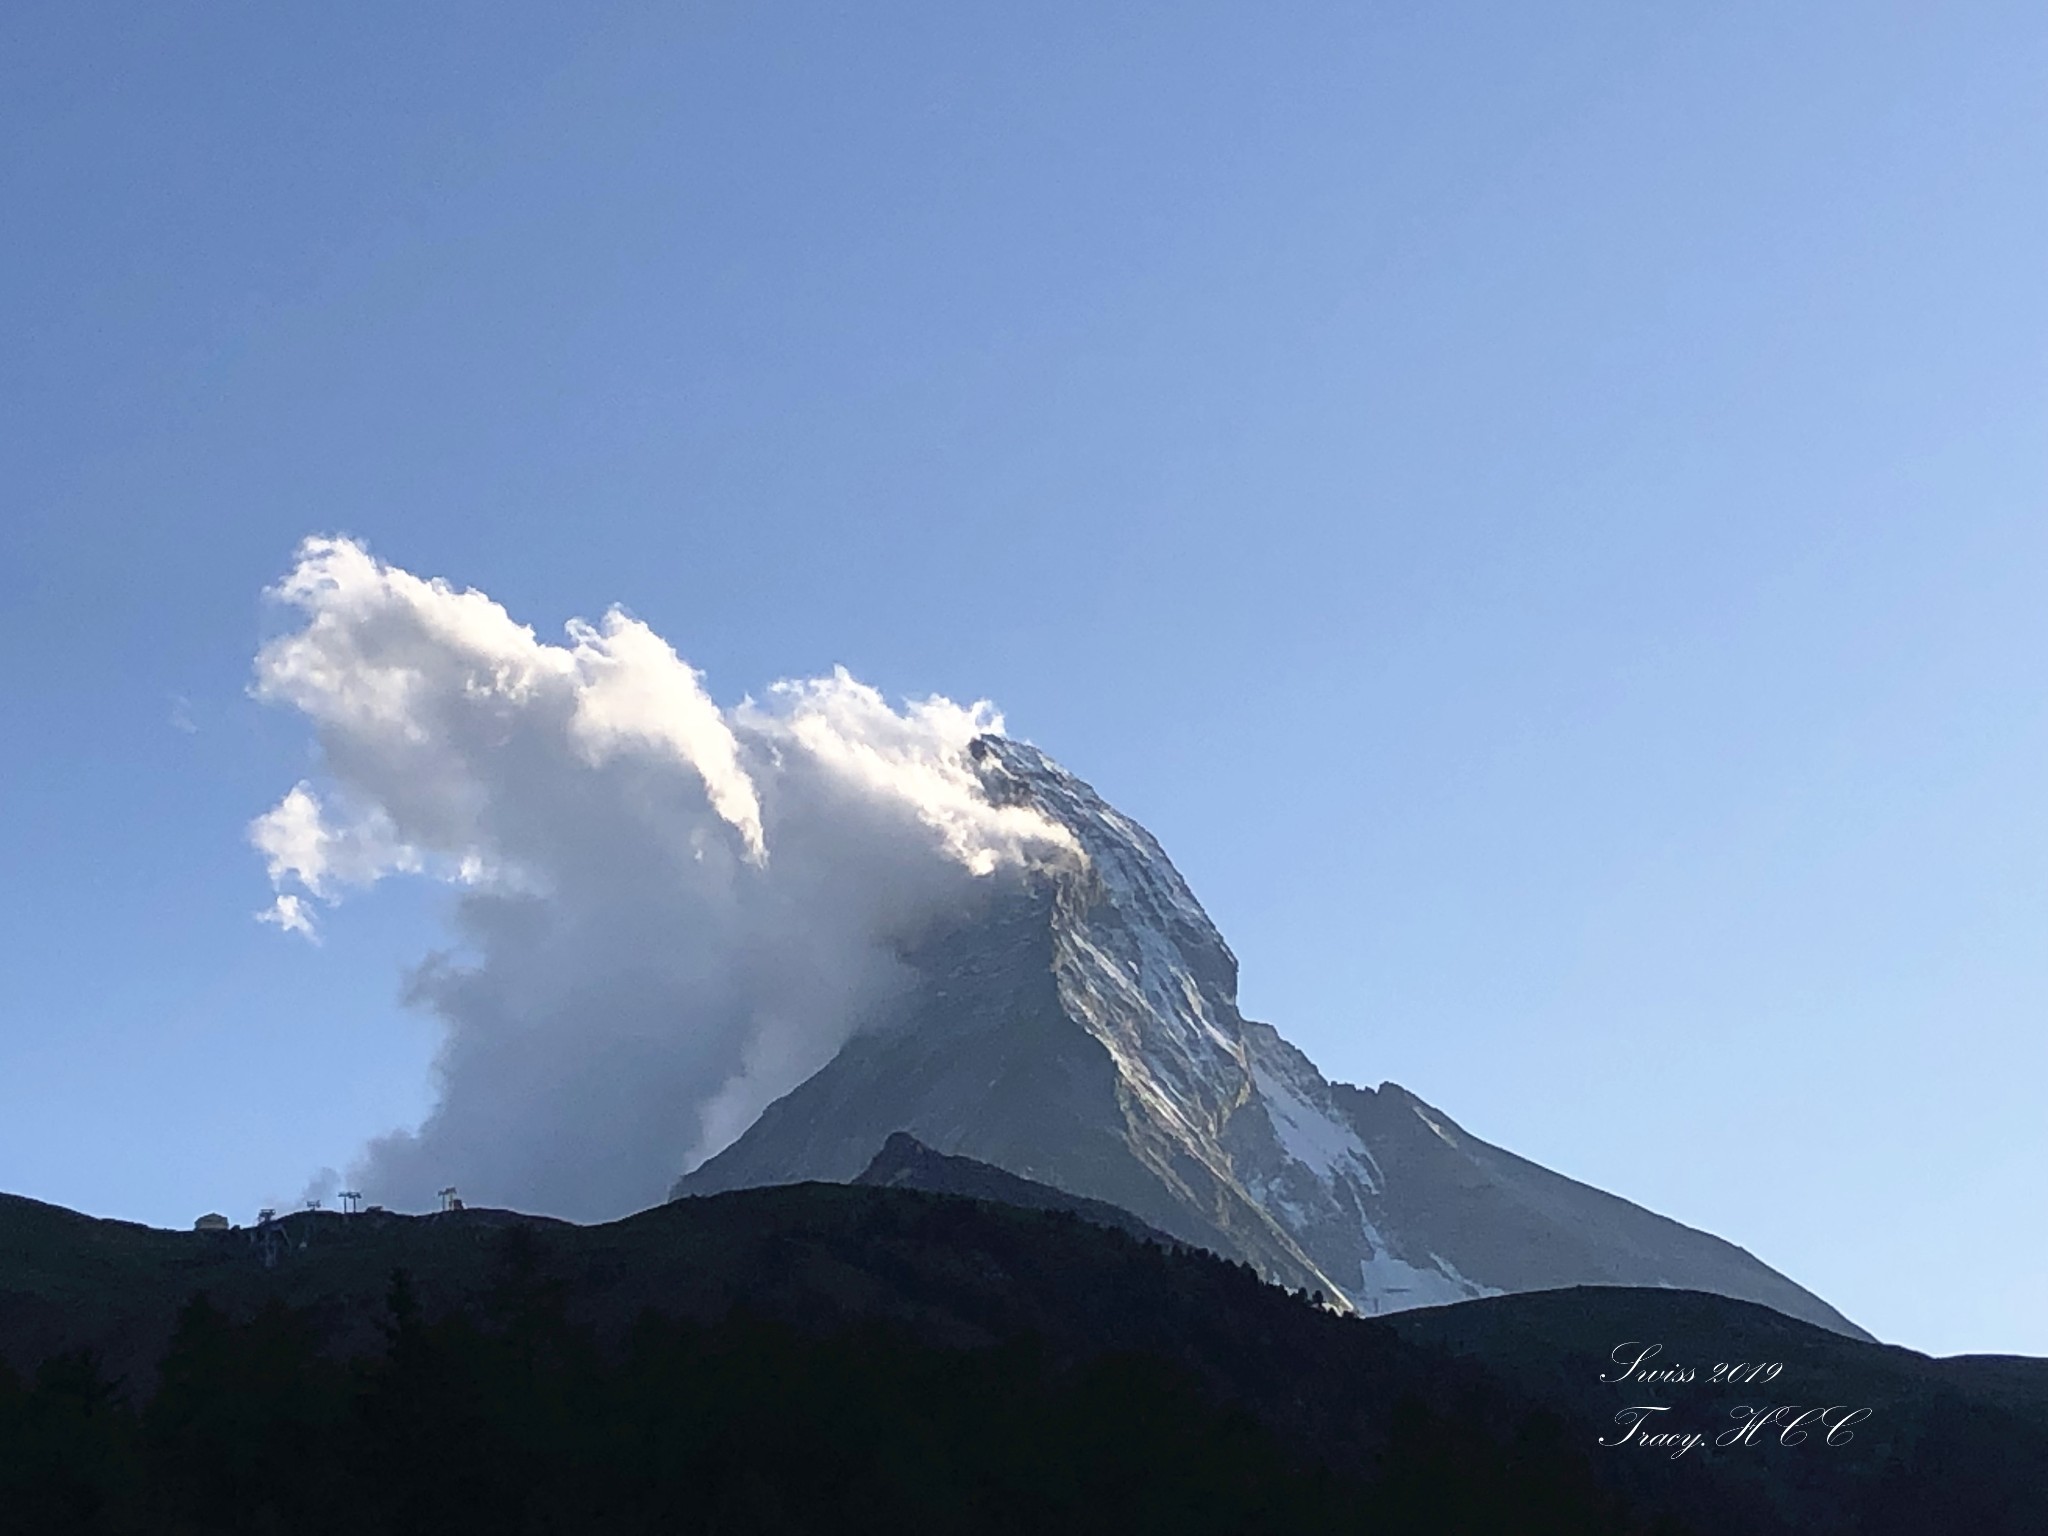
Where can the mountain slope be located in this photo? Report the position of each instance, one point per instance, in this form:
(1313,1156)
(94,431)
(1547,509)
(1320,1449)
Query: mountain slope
(1083,1032)
(1949,1445)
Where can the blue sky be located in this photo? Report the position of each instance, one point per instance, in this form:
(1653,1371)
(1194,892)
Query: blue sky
(1539,508)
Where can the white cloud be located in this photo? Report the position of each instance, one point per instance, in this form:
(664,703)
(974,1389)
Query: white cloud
(291,914)
(300,842)
(639,694)
(664,913)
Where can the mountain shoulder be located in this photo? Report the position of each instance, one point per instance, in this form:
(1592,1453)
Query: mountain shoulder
(904,1162)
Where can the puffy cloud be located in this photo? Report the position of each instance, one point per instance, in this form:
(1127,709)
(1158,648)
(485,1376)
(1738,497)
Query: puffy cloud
(667,913)
(299,842)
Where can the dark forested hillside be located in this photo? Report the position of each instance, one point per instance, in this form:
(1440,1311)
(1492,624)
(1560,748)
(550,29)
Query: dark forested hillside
(828,1358)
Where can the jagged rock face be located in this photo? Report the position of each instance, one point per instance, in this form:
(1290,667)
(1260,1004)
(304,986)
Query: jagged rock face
(1082,1031)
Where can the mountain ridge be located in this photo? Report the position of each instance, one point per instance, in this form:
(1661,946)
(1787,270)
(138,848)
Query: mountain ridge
(1946,1447)
(904,1162)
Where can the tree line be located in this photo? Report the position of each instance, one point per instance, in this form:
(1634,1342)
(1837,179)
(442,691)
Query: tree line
(510,1418)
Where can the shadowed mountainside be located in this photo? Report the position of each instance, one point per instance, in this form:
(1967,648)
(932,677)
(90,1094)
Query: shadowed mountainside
(1493,1395)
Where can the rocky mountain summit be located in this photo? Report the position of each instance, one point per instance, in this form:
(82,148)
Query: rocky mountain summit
(1082,1031)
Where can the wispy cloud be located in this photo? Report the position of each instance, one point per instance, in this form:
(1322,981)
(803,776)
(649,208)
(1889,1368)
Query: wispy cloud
(291,914)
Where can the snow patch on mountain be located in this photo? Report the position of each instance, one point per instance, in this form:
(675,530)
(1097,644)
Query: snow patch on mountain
(1313,1136)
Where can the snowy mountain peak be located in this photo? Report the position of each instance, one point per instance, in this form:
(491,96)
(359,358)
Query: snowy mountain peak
(1135,876)
(1083,1031)
(1144,971)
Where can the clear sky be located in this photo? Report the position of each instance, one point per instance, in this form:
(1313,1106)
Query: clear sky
(1540,508)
